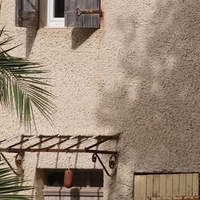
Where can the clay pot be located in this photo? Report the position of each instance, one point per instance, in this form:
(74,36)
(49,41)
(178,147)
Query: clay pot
(68,176)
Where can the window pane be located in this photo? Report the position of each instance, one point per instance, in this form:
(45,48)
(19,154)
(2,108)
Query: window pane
(81,177)
(96,178)
(58,8)
(55,178)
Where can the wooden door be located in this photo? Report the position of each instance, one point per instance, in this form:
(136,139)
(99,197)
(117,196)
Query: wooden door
(180,186)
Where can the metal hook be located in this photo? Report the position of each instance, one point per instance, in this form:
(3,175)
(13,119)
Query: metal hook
(112,163)
(18,162)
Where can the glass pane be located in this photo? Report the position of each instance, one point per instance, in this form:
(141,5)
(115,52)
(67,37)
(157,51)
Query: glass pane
(55,178)
(80,178)
(59,8)
(96,178)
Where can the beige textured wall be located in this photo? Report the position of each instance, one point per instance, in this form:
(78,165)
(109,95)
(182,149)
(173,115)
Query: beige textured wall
(138,74)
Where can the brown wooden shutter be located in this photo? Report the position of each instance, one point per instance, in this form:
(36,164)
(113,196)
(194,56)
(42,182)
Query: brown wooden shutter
(72,20)
(27,14)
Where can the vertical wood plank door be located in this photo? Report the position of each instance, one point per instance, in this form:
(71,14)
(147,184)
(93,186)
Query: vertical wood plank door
(179,186)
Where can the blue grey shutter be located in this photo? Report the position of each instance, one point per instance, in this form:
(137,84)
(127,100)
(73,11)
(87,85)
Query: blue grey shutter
(82,13)
(27,13)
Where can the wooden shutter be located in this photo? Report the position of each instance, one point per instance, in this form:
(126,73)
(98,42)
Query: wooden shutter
(27,14)
(167,187)
(84,20)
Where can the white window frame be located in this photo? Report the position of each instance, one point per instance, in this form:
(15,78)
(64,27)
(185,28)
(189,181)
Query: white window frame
(54,21)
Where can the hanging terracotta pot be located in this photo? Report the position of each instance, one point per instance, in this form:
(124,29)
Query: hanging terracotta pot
(68,176)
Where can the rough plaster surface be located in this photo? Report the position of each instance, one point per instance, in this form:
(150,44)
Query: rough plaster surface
(138,74)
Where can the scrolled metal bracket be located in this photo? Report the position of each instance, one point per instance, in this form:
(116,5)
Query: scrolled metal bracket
(18,162)
(112,163)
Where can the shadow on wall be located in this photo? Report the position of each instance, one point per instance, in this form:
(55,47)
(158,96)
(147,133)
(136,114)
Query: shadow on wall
(75,194)
(30,39)
(157,105)
(79,36)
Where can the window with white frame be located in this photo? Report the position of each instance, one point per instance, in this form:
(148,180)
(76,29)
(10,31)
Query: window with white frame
(56,13)
(86,184)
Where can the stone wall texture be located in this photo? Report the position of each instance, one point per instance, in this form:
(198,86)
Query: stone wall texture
(138,74)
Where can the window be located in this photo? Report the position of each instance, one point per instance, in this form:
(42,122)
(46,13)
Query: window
(175,186)
(86,183)
(56,13)
(81,178)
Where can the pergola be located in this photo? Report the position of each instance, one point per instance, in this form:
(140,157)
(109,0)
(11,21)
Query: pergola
(60,144)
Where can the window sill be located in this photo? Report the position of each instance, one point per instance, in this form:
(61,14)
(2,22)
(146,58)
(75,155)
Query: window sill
(55,27)
(55,24)
(74,191)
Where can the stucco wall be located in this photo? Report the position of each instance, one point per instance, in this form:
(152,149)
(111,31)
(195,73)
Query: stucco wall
(139,74)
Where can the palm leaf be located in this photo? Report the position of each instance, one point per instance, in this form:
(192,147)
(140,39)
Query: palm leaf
(11,185)
(21,85)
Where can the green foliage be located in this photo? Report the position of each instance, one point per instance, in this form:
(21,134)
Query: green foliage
(11,185)
(21,85)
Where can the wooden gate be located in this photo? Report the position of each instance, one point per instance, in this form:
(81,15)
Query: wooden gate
(180,186)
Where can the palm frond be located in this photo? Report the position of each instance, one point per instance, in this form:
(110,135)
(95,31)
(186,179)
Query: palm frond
(11,185)
(21,85)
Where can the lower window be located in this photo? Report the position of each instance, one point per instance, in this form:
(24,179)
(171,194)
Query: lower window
(86,184)
(175,186)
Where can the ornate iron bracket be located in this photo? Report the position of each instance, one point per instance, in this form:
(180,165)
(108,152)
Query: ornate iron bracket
(18,162)
(112,163)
